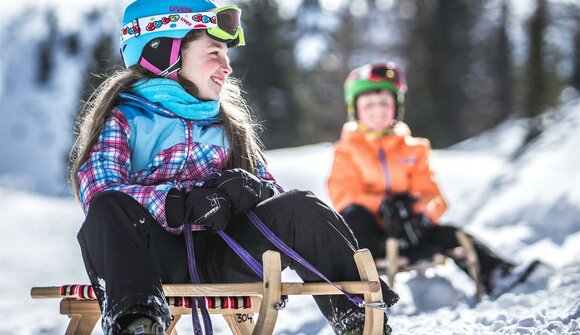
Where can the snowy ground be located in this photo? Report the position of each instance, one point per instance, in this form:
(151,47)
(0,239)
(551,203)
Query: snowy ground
(524,208)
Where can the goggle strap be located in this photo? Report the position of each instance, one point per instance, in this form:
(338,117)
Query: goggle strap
(171,71)
(164,22)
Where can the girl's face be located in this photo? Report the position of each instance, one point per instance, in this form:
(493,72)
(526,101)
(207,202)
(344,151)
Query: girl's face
(376,110)
(205,62)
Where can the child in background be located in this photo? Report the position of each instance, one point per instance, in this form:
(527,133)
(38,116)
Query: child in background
(382,183)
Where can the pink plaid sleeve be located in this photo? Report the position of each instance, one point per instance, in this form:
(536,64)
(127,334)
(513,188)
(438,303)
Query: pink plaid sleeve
(108,167)
(265,175)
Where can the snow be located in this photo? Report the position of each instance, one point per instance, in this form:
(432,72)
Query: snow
(524,208)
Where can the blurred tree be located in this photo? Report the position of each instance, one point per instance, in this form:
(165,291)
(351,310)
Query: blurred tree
(501,71)
(573,10)
(267,68)
(575,75)
(439,48)
(488,83)
(73,44)
(535,100)
(319,86)
(47,49)
(102,57)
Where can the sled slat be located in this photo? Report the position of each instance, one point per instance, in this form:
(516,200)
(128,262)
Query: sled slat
(272,293)
(473,266)
(392,247)
(72,306)
(374,318)
(253,289)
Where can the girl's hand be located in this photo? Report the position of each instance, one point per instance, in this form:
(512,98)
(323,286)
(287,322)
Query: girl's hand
(209,207)
(243,188)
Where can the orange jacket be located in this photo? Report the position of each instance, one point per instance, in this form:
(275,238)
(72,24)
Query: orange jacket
(359,177)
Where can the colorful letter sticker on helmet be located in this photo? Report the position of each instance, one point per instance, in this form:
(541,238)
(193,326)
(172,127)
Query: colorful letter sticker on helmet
(146,20)
(371,77)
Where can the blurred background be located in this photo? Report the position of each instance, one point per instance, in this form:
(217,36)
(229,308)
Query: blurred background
(470,65)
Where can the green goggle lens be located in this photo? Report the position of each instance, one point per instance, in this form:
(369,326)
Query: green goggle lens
(228,28)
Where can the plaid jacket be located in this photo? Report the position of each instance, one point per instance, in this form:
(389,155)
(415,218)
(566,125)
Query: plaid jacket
(109,165)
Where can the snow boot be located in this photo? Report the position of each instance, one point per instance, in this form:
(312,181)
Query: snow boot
(506,277)
(353,324)
(143,326)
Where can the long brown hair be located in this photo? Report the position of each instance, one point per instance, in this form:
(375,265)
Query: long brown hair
(245,146)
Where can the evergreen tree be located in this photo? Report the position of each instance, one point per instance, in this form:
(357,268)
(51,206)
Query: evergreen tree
(47,49)
(439,49)
(103,57)
(575,77)
(490,80)
(574,80)
(267,69)
(535,98)
(501,70)
(320,84)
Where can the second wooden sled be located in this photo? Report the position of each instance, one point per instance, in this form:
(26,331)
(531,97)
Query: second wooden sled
(393,263)
(264,298)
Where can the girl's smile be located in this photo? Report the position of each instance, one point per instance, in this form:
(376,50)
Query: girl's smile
(205,63)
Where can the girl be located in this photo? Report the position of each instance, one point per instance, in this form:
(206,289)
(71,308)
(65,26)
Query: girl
(169,141)
(381,181)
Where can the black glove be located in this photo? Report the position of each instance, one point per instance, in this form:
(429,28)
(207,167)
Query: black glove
(175,208)
(209,207)
(397,208)
(415,228)
(243,188)
(400,220)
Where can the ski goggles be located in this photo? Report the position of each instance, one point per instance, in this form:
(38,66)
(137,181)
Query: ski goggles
(383,72)
(221,23)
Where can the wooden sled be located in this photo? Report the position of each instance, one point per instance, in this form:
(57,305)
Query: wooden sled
(394,263)
(264,298)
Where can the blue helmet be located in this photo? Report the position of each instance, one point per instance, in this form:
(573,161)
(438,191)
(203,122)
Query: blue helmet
(132,43)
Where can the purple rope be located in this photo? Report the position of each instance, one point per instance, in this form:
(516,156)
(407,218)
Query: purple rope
(288,251)
(196,301)
(244,255)
(386,174)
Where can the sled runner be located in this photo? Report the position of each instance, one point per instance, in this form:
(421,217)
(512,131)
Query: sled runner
(237,303)
(517,277)
(394,263)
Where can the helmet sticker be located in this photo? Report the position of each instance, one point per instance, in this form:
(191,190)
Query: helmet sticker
(133,30)
(159,23)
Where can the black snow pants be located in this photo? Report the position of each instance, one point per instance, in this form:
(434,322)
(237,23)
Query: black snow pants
(128,255)
(438,239)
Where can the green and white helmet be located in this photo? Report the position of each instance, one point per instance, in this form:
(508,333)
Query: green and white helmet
(372,77)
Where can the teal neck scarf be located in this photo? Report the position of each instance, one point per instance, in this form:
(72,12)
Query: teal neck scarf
(170,95)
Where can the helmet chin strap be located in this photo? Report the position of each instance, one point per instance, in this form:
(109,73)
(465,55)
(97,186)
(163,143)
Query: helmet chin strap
(172,70)
(162,57)
(389,130)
